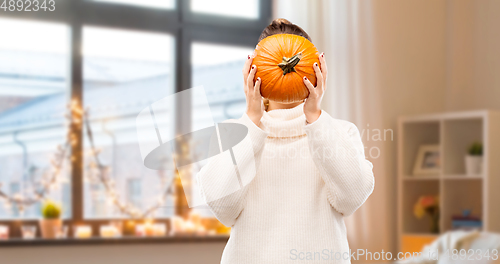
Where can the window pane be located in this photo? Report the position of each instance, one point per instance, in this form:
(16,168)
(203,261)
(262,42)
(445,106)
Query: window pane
(243,9)
(124,72)
(218,69)
(33,98)
(134,194)
(167,4)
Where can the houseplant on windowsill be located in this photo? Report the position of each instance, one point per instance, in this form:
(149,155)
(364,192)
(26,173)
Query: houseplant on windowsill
(51,213)
(474,159)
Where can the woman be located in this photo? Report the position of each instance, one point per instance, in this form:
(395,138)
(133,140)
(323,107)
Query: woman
(310,173)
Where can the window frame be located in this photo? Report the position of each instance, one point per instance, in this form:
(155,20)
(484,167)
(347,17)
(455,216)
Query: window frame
(183,24)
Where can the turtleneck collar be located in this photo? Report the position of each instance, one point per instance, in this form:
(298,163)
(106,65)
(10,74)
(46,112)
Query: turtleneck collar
(285,123)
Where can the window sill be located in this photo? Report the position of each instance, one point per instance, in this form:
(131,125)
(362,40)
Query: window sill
(15,242)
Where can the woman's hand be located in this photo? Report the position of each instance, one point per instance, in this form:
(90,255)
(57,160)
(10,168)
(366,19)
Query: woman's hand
(255,105)
(312,106)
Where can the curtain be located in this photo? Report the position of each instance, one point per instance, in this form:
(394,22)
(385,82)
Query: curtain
(345,31)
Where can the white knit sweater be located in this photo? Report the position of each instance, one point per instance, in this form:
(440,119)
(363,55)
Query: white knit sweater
(308,177)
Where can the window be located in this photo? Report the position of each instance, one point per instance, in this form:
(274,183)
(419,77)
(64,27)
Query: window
(218,68)
(113,58)
(245,9)
(167,4)
(134,192)
(33,95)
(15,188)
(123,72)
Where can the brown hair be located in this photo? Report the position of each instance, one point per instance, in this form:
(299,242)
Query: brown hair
(283,26)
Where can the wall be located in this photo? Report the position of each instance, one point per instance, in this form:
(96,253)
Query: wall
(410,40)
(183,253)
(473,56)
(410,71)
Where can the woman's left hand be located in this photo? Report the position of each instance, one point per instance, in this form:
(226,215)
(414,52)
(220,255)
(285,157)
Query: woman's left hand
(312,106)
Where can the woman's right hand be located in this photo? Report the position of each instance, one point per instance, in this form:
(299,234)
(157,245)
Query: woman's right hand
(255,105)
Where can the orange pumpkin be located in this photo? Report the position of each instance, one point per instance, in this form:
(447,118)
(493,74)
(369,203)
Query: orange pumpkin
(282,61)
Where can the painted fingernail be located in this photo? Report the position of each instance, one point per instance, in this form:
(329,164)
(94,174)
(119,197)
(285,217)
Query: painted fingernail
(248,57)
(253,67)
(258,79)
(316,64)
(305,78)
(322,54)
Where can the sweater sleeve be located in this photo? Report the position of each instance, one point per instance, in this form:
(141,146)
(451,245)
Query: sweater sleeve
(224,185)
(338,153)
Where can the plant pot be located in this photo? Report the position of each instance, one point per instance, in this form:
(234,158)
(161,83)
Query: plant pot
(48,227)
(473,165)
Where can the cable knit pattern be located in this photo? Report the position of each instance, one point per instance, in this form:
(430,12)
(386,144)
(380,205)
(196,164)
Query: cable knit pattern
(308,177)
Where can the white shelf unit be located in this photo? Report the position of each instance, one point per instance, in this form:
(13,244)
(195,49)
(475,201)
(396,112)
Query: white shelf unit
(453,132)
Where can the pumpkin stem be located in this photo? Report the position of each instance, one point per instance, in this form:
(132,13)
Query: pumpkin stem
(288,64)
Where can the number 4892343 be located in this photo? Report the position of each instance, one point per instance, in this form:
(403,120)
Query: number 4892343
(28,5)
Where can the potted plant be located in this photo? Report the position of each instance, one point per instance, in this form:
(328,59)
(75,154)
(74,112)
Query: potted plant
(429,205)
(51,213)
(474,159)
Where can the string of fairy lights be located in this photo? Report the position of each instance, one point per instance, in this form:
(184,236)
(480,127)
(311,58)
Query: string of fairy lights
(48,182)
(98,173)
(50,178)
